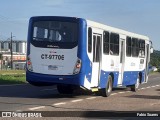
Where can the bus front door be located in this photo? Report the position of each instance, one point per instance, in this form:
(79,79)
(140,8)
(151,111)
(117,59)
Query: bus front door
(147,63)
(96,60)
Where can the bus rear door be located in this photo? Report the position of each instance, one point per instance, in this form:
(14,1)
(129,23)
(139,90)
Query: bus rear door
(96,64)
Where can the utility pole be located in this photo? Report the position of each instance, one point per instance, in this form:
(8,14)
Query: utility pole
(11,53)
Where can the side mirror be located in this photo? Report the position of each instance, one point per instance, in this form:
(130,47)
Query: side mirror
(151,50)
(151,47)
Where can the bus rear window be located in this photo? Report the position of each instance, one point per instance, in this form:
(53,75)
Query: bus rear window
(55,31)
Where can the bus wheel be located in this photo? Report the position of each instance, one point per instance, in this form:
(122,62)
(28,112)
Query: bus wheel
(135,87)
(65,89)
(107,91)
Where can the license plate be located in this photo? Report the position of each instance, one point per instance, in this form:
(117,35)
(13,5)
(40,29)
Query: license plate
(52,67)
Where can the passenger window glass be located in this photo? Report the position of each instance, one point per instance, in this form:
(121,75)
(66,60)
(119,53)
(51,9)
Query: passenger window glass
(106,42)
(141,48)
(135,47)
(114,44)
(128,46)
(89,40)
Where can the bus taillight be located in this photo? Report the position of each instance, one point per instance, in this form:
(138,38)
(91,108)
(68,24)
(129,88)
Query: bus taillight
(29,64)
(77,67)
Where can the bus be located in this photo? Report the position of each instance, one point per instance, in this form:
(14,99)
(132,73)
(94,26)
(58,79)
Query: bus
(73,52)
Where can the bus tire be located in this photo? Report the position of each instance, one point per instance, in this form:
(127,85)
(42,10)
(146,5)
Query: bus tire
(65,89)
(107,91)
(135,87)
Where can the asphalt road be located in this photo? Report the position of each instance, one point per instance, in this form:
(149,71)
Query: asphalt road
(26,97)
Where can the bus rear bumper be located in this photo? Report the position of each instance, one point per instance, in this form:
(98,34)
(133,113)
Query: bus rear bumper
(45,80)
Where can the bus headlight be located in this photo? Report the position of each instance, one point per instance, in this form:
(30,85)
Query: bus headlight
(77,67)
(29,64)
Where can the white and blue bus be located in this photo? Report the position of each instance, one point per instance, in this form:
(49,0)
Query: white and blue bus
(70,52)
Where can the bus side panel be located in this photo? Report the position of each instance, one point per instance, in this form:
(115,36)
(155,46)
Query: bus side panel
(104,78)
(130,77)
(132,68)
(86,69)
(143,76)
(29,36)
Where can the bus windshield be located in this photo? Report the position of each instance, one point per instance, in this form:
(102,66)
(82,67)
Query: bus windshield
(54,32)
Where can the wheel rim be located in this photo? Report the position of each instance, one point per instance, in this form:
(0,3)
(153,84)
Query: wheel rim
(109,87)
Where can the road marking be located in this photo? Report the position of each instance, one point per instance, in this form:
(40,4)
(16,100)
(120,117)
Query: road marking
(61,103)
(142,89)
(35,108)
(77,100)
(156,78)
(155,104)
(19,111)
(121,92)
(114,93)
(148,87)
(128,91)
(91,98)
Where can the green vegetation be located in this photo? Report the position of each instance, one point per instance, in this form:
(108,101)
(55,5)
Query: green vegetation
(155,58)
(11,72)
(12,77)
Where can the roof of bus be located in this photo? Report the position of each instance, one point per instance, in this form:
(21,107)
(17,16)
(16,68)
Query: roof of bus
(63,18)
(95,24)
(116,30)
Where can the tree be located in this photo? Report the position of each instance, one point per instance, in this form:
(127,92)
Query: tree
(155,58)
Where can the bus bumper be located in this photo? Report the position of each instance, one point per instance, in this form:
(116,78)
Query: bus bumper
(45,80)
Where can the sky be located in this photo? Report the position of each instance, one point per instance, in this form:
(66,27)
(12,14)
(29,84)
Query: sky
(138,16)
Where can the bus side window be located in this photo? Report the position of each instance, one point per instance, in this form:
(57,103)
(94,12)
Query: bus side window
(106,42)
(89,39)
(141,48)
(128,46)
(135,47)
(114,44)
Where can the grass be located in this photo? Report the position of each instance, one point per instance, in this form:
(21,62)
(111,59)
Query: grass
(12,71)
(12,77)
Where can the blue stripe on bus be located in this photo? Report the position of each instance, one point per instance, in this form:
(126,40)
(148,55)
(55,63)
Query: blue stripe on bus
(104,78)
(55,79)
(129,78)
